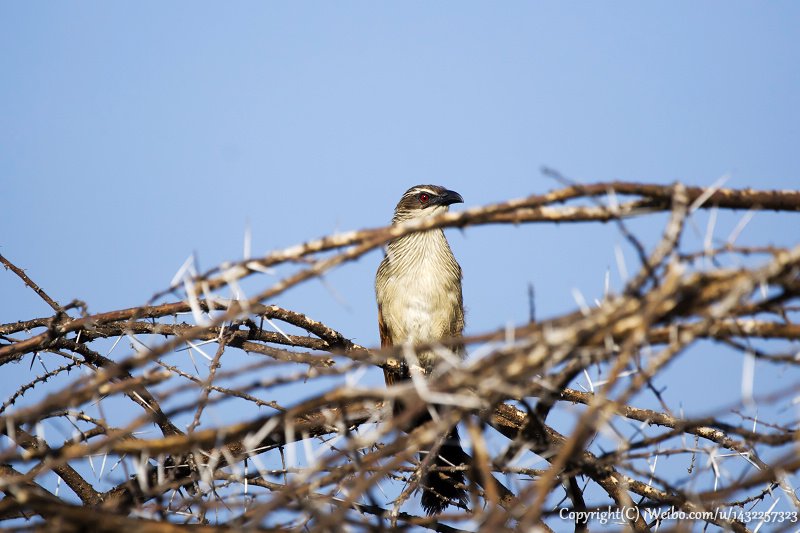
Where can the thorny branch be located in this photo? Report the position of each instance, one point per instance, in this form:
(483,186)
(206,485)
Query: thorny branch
(331,454)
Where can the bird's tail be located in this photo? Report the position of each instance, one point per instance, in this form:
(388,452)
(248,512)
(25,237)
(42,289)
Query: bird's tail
(443,488)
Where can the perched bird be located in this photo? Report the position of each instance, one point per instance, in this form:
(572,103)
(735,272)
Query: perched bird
(418,288)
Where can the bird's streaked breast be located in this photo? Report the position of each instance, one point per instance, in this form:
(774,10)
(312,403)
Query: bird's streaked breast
(418,289)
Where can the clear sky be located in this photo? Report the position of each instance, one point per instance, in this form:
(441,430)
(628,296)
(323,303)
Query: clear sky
(133,134)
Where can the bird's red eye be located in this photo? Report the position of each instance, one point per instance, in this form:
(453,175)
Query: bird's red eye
(423,198)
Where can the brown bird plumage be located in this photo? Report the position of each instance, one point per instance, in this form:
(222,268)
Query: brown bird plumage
(418,288)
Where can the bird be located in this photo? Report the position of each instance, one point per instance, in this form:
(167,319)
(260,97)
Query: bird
(419,296)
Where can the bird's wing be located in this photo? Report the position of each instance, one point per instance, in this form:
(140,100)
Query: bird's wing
(383,329)
(457,324)
(386,341)
(393,374)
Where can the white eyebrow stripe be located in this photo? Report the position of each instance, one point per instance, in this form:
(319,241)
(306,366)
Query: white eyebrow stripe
(414,192)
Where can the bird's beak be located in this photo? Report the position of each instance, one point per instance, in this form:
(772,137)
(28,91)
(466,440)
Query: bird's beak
(449,197)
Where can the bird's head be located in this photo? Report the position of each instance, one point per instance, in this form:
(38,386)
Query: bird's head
(424,201)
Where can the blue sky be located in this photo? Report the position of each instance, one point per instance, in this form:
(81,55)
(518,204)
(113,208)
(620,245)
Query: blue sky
(135,134)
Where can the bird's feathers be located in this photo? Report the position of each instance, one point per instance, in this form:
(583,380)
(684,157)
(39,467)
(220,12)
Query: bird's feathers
(418,290)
